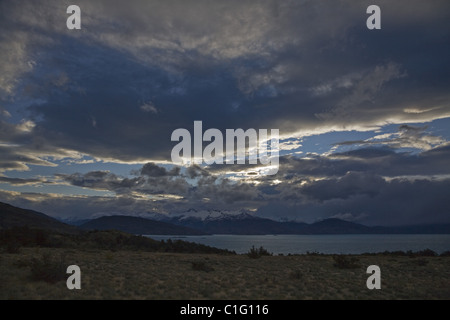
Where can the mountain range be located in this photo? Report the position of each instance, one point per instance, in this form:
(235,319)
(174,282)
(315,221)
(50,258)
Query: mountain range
(194,222)
(217,222)
(137,225)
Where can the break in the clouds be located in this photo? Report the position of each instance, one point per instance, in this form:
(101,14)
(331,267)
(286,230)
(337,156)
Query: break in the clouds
(363,114)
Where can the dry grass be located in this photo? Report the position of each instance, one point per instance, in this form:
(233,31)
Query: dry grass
(145,275)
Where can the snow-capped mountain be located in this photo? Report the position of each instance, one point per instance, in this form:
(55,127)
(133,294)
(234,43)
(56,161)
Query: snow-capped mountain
(202,215)
(242,222)
(217,221)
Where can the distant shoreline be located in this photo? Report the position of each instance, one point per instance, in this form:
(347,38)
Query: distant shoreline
(324,244)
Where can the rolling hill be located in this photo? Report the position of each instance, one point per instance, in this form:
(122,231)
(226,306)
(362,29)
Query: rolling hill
(11,216)
(136,225)
(246,224)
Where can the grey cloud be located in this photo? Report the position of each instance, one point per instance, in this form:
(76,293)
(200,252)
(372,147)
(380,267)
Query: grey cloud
(156,180)
(397,202)
(22,182)
(102,180)
(254,59)
(407,137)
(80,207)
(136,71)
(195,171)
(13,158)
(362,196)
(362,91)
(381,161)
(153,170)
(369,185)
(351,184)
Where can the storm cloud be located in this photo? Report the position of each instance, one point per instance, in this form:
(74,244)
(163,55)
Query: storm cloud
(301,67)
(94,109)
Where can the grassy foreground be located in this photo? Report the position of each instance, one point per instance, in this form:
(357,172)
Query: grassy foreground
(107,274)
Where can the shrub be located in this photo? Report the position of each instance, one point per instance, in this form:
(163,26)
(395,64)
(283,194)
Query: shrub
(109,256)
(445,254)
(258,253)
(48,268)
(296,274)
(22,263)
(201,266)
(25,236)
(345,262)
(420,262)
(41,238)
(394,253)
(426,253)
(13,247)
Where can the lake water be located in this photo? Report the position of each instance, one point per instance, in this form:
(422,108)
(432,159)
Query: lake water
(330,244)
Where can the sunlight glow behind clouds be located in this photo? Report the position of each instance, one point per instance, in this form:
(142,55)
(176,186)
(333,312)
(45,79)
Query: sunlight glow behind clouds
(350,104)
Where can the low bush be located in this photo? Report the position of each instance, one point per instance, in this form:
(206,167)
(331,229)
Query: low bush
(420,262)
(201,266)
(13,247)
(426,253)
(445,254)
(48,268)
(345,262)
(296,274)
(255,253)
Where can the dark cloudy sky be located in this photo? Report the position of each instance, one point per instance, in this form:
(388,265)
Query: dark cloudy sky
(86,115)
